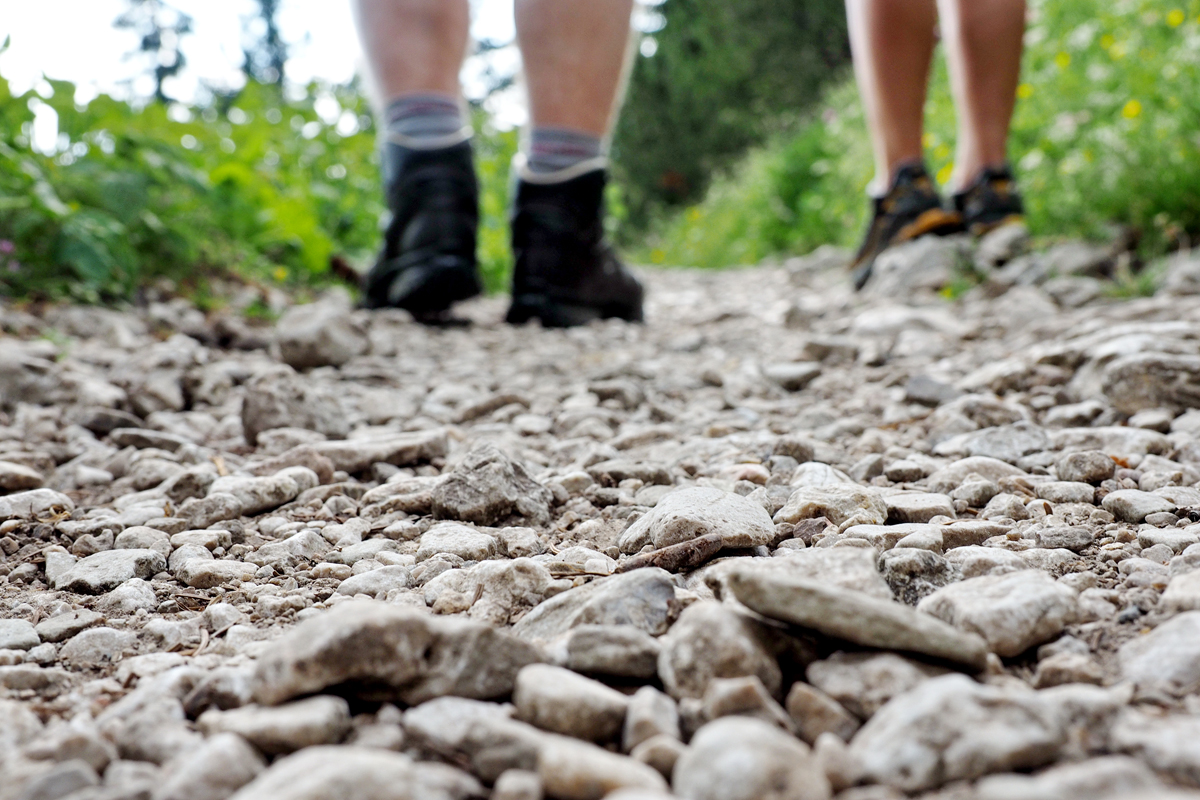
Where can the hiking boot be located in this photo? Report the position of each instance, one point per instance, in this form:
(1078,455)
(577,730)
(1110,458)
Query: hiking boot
(565,273)
(428,257)
(910,209)
(990,201)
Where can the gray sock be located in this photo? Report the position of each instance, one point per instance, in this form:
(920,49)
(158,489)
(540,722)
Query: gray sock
(557,149)
(427,119)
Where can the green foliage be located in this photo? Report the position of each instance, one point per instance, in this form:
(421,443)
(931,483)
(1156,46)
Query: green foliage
(1107,131)
(252,186)
(723,77)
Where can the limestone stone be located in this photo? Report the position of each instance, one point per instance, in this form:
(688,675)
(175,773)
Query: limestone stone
(814,713)
(844,505)
(1011,612)
(1166,659)
(644,599)
(711,640)
(863,682)
(562,701)
(104,571)
(283,729)
(220,766)
(487,488)
(688,514)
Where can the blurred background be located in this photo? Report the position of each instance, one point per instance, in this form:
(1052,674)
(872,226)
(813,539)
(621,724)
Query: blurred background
(189,144)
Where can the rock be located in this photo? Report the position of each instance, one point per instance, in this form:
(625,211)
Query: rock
(102,572)
(687,514)
(1074,538)
(321,334)
(813,712)
(377,581)
(219,767)
(357,455)
(575,770)
(202,574)
(483,736)
(677,557)
(216,507)
(918,507)
(863,682)
(1167,659)
(518,784)
(948,478)
(856,617)
(1100,777)
(256,495)
(845,567)
(127,598)
(61,780)
(649,714)
(794,376)
(844,505)
(1088,466)
(64,626)
(1133,505)
(280,398)
(1063,668)
(1011,612)
(488,488)
(401,652)
(283,729)
(18,478)
(18,634)
(738,758)
(744,697)
(35,504)
(710,641)
(621,651)
(913,573)
(321,773)
(661,753)
(140,537)
(560,701)
(951,728)
(644,599)
(459,540)
(1004,442)
(97,647)
(1141,381)
(1166,743)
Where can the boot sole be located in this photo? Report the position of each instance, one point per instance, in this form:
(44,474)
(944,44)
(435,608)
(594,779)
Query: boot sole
(427,292)
(556,314)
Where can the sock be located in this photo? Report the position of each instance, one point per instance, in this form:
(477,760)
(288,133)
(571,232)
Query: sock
(426,121)
(558,150)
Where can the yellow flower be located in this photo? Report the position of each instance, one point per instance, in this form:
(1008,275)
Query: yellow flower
(942,151)
(693,214)
(927,140)
(1132,109)
(1107,40)
(1063,60)
(1175,18)
(943,176)
(280,274)
(657,256)
(1025,91)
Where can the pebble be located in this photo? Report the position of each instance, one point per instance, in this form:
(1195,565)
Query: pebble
(687,514)
(562,701)
(283,729)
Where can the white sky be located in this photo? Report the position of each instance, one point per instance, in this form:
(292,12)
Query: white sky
(75,40)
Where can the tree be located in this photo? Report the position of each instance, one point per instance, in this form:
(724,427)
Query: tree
(716,79)
(267,53)
(161,28)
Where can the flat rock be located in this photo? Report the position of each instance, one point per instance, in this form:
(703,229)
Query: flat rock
(283,729)
(395,652)
(401,449)
(617,650)
(918,507)
(951,728)
(63,626)
(856,617)
(561,701)
(1011,612)
(216,769)
(1134,505)
(18,634)
(739,758)
(489,488)
(844,505)
(574,770)
(459,540)
(644,599)
(863,683)
(101,572)
(18,478)
(1142,381)
(35,504)
(712,640)
(687,514)
(1166,659)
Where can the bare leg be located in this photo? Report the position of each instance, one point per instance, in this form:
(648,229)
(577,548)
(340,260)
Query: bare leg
(414,45)
(892,42)
(574,54)
(983,39)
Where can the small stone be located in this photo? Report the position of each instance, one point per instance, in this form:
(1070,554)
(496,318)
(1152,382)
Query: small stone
(792,377)
(650,714)
(319,334)
(1012,612)
(97,647)
(488,488)
(561,701)
(1089,466)
(1072,538)
(220,766)
(1066,491)
(918,507)
(815,713)
(1133,505)
(376,581)
(18,478)
(709,641)
(617,650)
(459,540)
(644,599)
(201,574)
(844,505)
(517,784)
(17,634)
(1166,659)
(102,572)
(128,598)
(64,626)
(687,514)
(864,682)
(904,471)
(745,697)
(283,729)
(660,752)
(574,770)
(855,617)
(280,398)
(141,537)
(739,758)
(1063,668)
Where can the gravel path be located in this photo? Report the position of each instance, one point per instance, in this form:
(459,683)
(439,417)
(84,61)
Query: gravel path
(783,542)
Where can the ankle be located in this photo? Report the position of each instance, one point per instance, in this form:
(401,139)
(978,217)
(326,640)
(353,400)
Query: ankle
(426,121)
(556,155)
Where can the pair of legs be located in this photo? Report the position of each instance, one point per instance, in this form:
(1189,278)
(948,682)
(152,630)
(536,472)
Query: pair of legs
(574,53)
(893,41)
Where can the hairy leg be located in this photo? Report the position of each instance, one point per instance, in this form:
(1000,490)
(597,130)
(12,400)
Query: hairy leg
(892,42)
(413,46)
(574,54)
(984,40)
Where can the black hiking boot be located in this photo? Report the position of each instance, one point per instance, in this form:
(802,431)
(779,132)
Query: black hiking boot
(565,273)
(911,208)
(428,257)
(990,201)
